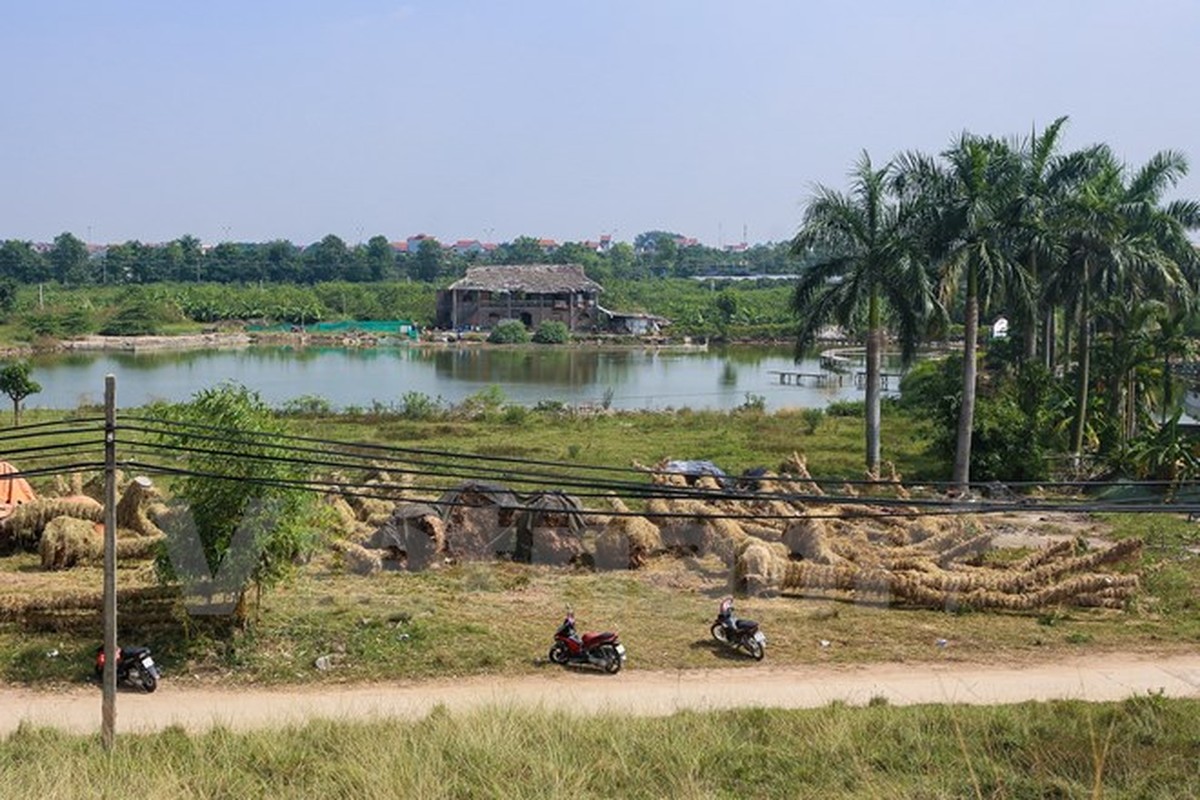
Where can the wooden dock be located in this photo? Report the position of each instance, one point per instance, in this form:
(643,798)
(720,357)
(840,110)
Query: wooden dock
(792,378)
(886,380)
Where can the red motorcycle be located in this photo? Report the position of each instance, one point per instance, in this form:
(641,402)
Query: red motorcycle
(601,650)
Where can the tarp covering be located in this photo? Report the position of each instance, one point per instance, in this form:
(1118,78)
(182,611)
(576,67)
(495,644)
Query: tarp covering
(14,491)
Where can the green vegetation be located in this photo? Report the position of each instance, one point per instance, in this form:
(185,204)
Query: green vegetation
(509,331)
(54,311)
(1143,747)
(244,526)
(867,267)
(16,383)
(552,332)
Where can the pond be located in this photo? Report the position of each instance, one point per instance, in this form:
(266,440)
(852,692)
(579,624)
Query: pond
(633,378)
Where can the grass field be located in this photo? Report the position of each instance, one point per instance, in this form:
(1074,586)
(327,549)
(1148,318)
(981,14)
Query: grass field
(1145,747)
(477,618)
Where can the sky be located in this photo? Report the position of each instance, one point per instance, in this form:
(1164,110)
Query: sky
(294,119)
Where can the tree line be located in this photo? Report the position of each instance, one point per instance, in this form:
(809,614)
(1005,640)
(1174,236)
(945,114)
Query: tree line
(69,261)
(1083,254)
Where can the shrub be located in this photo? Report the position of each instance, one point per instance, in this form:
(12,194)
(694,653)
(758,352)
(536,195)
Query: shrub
(812,419)
(509,331)
(250,524)
(754,403)
(552,332)
(847,408)
(307,405)
(483,403)
(418,405)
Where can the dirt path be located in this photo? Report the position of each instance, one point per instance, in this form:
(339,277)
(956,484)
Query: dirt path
(1105,677)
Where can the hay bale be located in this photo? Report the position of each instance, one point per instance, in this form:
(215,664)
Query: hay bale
(627,541)
(758,568)
(346,521)
(358,559)
(807,538)
(22,529)
(554,547)
(797,465)
(131,509)
(138,548)
(545,522)
(371,510)
(970,549)
(67,541)
(412,538)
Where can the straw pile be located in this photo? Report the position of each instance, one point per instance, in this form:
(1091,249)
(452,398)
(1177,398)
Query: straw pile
(412,538)
(22,530)
(357,558)
(627,540)
(1050,576)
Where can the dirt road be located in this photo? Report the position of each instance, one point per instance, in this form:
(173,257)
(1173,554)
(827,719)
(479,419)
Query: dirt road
(1104,677)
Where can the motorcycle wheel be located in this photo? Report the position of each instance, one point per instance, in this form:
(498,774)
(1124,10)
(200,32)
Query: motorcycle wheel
(149,682)
(558,653)
(718,632)
(612,660)
(755,649)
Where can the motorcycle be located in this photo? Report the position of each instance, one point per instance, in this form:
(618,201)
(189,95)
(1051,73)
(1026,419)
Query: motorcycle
(132,663)
(601,650)
(740,634)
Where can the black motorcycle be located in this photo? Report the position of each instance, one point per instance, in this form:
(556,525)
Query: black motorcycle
(134,664)
(740,634)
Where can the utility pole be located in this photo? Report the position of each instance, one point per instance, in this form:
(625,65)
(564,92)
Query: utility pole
(108,732)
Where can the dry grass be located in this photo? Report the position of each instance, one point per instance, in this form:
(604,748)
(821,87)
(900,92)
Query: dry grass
(1143,747)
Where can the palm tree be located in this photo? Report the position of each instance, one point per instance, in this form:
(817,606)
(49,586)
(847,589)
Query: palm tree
(1046,179)
(860,264)
(965,223)
(1122,243)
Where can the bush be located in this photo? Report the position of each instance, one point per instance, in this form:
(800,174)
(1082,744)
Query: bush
(509,331)
(1010,435)
(754,404)
(418,405)
(812,419)
(847,408)
(307,405)
(250,524)
(552,332)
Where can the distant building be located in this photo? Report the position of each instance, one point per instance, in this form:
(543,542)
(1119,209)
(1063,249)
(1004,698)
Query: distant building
(466,247)
(531,293)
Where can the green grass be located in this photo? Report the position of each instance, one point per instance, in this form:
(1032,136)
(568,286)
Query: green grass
(498,618)
(734,440)
(1144,747)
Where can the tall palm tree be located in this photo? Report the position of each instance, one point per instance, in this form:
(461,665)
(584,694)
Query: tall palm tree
(1046,179)
(1123,243)
(965,207)
(860,265)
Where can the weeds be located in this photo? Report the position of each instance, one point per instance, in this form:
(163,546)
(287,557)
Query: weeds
(1067,749)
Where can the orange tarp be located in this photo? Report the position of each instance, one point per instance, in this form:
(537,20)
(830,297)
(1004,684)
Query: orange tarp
(14,491)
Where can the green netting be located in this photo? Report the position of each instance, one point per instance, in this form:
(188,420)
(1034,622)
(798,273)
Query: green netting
(392,327)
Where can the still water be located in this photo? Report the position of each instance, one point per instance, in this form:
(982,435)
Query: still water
(636,378)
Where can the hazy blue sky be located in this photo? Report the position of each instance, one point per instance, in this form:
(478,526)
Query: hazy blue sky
(262,119)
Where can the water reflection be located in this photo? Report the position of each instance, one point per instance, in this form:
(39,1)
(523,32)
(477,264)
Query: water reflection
(649,378)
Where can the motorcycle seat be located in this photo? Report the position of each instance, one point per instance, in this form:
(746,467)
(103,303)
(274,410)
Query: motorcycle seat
(746,625)
(592,639)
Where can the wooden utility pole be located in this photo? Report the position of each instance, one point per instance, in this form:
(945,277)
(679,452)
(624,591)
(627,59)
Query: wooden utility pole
(109,710)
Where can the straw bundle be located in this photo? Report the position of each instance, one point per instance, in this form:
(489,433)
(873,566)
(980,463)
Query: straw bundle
(358,559)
